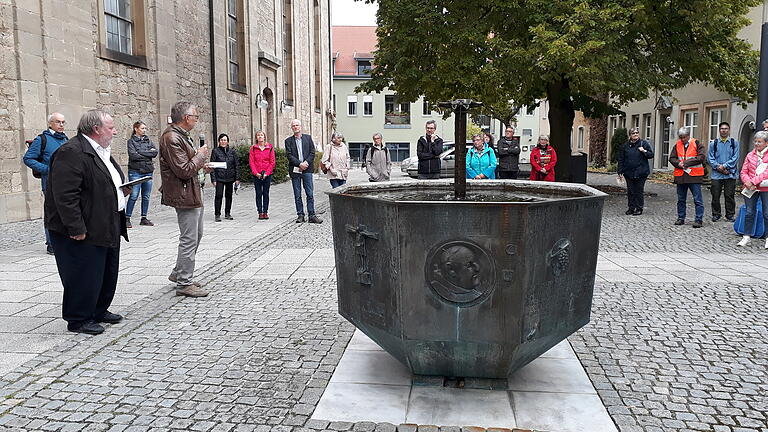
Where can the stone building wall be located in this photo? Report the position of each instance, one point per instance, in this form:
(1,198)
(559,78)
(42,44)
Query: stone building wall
(50,61)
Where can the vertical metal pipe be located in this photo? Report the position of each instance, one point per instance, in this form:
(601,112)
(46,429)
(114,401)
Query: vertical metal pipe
(214,125)
(460,152)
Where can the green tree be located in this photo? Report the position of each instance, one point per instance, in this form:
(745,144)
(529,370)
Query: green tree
(620,137)
(496,51)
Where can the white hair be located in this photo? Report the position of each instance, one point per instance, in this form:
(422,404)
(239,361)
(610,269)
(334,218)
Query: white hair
(296,121)
(763,135)
(50,116)
(683,131)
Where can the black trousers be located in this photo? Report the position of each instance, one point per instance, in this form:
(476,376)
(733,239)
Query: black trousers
(507,175)
(635,192)
(89,276)
(729,186)
(223,189)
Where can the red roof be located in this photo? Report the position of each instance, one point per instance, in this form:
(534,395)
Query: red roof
(349,43)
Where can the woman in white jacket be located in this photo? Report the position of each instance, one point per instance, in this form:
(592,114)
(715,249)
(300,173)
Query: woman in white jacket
(336,161)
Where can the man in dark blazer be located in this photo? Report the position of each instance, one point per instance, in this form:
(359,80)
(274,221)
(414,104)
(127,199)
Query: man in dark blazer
(85,214)
(428,150)
(300,150)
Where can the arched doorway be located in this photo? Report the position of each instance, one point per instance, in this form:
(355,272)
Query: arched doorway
(269,112)
(745,139)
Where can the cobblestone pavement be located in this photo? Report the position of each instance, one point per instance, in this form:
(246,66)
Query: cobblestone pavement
(677,339)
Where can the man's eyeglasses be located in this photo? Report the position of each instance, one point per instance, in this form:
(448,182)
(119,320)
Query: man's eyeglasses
(196,116)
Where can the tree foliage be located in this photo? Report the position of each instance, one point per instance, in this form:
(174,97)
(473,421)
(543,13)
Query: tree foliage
(497,51)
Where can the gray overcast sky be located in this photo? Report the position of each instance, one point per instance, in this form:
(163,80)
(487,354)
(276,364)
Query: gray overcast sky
(350,12)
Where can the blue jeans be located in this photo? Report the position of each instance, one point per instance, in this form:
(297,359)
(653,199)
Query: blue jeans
(262,193)
(146,191)
(751,203)
(698,201)
(306,180)
(337,182)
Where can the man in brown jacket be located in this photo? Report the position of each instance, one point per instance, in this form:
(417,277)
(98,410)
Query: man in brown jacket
(179,166)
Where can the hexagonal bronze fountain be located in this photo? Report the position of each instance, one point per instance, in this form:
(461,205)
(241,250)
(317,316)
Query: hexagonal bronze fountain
(473,288)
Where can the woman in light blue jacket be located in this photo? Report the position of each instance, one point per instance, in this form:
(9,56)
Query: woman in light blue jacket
(481,160)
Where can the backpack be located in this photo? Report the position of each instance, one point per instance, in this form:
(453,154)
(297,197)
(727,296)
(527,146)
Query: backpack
(40,157)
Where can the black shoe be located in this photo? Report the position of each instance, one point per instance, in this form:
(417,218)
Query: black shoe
(228,217)
(300,219)
(697,224)
(680,222)
(128,223)
(637,212)
(730,219)
(146,222)
(110,318)
(88,327)
(49,250)
(629,211)
(217,218)
(715,218)
(315,219)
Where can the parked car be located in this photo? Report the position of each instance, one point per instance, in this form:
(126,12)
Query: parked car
(413,161)
(447,162)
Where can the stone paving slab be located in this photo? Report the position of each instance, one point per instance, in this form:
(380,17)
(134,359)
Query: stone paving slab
(663,354)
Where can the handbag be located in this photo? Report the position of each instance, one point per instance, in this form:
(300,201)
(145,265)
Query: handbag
(761,167)
(323,168)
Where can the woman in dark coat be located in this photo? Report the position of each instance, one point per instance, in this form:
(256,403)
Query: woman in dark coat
(633,167)
(141,151)
(224,178)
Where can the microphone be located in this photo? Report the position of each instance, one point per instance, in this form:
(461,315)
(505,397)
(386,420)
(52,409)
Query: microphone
(202,139)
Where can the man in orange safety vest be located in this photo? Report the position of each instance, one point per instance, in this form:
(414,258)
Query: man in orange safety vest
(688,156)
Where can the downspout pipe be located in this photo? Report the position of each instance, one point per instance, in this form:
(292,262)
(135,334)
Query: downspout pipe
(214,111)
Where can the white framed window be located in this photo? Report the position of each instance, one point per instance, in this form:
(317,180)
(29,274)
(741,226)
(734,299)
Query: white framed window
(622,122)
(396,112)
(647,126)
(527,132)
(636,121)
(691,121)
(364,67)
(119,26)
(367,106)
(580,138)
(426,110)
(613,124)
(352,106)
(716,116)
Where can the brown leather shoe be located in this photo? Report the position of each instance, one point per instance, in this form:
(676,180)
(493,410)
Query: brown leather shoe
(191,291)
(173,278)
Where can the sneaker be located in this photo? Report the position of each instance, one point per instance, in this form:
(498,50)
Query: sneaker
(637,212)
(266,215)
(191,291)
(745,241)
(146,222)
(715,218)
(629,212)
(314,219)
(174,279)
(228,217)
(697,224)
(680,222)
(128,223)
(300,219)
(730,219)
(217,218)
(49,250)
(261,215)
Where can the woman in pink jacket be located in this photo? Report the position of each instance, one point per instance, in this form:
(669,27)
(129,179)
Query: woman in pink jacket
(262,160)
(754,176)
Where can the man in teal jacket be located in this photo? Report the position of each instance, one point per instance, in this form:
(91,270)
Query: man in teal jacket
(38,158)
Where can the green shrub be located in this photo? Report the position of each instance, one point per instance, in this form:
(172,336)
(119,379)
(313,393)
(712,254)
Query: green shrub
(244,174)
(620,137)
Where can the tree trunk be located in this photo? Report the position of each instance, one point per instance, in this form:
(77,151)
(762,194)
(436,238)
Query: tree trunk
(460,153)
(598,136)
(561,115)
